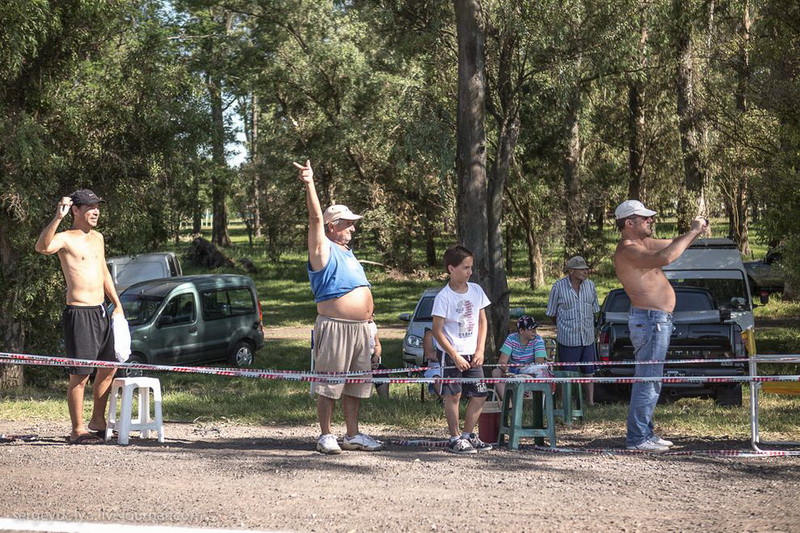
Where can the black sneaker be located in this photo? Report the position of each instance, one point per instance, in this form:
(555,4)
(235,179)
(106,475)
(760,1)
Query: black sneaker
(478,444)
(461,446)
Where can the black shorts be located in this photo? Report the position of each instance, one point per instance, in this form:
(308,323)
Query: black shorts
(87,335)
(470,390)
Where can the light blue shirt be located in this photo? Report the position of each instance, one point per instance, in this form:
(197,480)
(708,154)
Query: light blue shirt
(342,274)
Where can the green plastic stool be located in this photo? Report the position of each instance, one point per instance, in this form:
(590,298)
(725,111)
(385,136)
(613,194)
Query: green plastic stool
(567,408)
(513,406)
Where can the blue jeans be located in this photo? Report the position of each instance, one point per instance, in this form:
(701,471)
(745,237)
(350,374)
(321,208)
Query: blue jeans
(650,333)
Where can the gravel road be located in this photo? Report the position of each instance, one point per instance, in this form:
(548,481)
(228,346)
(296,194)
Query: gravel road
(229,476)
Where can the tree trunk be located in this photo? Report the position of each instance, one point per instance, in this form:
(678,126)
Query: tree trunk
(637,182)
(535,266)
(471,141)
(498,281)
(509,250)
(219,186)
(574,212)
(738,223)
(690,123)
(255,166)
(197,208)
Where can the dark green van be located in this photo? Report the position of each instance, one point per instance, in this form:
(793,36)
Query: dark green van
(194,319)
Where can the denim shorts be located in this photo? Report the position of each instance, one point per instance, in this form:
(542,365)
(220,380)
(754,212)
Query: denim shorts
(470,390)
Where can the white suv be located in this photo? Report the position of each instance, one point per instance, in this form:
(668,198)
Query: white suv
(716,265)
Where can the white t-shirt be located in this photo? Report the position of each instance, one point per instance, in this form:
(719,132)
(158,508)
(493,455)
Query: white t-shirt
(461,313)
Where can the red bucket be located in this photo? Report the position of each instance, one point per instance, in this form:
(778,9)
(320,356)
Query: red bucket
(489,421)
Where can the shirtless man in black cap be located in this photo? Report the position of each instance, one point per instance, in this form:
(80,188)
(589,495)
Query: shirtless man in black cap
(85,321)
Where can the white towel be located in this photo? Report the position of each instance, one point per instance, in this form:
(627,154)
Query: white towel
(122,338)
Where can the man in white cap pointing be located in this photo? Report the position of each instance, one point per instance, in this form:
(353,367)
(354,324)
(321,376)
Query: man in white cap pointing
(344,308)
(638,261)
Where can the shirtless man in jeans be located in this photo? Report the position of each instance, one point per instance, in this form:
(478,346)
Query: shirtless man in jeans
(638,262)
(344,308)
(85,321)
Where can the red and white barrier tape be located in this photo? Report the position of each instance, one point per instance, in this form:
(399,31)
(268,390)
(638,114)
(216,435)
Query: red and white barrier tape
(367,377)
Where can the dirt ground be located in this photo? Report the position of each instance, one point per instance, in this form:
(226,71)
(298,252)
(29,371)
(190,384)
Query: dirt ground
(227,476)
(222,475)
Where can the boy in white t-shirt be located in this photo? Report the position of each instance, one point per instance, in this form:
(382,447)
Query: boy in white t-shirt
(459,327)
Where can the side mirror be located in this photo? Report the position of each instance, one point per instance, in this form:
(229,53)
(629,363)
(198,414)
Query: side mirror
(764,297)
(164,320)
(405,317)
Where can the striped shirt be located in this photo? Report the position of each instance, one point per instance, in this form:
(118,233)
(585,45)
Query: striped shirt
(523,355)
(573,311)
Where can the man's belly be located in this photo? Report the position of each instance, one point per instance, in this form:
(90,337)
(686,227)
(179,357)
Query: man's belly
(355,305)
(658,301)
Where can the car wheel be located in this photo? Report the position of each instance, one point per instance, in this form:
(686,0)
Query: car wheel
(132,373)
(241,355)
(729,395)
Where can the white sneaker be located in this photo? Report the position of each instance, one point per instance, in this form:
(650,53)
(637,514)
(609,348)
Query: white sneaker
(662,442)
(327,444)
(361,442)
(649,446)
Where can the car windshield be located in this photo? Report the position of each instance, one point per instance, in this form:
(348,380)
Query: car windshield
(727,287)
(139,308)
(424,309)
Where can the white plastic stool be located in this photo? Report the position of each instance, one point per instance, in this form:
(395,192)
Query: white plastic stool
(143,423)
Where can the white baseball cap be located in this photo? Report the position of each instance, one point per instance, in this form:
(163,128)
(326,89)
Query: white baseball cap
(632,207)
(339,212)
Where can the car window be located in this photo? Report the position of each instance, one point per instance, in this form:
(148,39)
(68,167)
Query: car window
(136,272)
(728,293)
(684,301)
(139,308)
(424,309)
(620,303)
(173,267)
(179,310)
(223,303)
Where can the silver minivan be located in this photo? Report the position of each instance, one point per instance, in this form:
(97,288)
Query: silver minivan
(194,319)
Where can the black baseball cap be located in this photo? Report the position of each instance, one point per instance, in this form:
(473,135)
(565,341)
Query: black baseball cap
(85,197)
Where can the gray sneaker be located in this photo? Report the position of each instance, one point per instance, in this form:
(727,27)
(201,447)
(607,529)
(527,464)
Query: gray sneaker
(649,446)
(461,446)
(361,442)
(478,444)
(662,442)
(327,444)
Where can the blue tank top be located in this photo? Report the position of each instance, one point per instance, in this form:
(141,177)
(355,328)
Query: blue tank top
(342,274)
